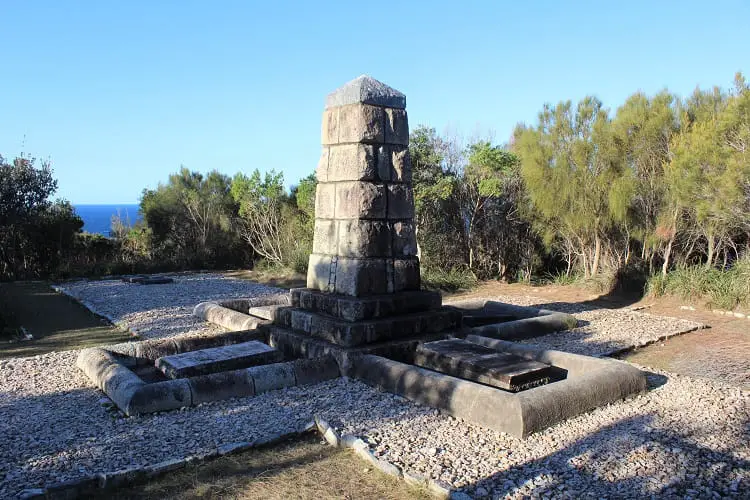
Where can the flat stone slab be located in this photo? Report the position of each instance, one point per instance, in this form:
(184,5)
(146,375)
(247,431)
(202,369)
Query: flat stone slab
(218,359)
(478,363)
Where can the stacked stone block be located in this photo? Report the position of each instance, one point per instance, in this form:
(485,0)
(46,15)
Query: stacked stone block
(364,242)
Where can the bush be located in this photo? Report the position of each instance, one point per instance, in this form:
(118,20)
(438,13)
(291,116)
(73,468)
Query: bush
(450,280)
(724,289)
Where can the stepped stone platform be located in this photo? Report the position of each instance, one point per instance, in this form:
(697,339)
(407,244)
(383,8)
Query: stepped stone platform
(478,363)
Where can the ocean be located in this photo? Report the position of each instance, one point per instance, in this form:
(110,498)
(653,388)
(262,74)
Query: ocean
(98,218)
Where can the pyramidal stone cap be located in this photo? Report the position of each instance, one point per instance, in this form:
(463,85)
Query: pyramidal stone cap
(367,90)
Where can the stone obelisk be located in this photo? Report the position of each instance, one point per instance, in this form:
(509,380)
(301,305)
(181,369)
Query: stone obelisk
(364,241)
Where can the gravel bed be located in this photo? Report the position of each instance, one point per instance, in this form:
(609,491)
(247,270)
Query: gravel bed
(686,437)
(155,311)
(602,332)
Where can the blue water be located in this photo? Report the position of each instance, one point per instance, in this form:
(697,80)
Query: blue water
(98,218)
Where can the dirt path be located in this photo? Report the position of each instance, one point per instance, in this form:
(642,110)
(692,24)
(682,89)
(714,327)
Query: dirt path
(722,351)
(56,322)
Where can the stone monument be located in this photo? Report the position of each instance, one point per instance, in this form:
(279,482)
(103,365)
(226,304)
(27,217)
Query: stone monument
(363,313)
(363,283)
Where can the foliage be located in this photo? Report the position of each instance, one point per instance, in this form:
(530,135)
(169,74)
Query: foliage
(190,221)
(35,232)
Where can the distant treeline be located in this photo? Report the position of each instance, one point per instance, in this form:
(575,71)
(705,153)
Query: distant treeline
(660,183)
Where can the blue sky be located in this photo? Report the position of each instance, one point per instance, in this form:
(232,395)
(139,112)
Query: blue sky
(119,95)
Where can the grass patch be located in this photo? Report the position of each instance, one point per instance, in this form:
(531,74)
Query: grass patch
(56,322)
(301,469)
(450,280)
(723,289)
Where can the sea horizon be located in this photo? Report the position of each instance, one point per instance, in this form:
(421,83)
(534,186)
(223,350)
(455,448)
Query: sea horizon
(97,217)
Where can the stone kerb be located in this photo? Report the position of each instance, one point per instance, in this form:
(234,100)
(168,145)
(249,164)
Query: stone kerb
(364,241)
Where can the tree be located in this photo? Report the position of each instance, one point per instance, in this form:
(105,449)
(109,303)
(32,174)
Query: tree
(190,218)
(572,165)
(35,232)
(261,201)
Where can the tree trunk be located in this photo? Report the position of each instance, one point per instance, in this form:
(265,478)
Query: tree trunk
(710,251)
(597,255)
(667,254)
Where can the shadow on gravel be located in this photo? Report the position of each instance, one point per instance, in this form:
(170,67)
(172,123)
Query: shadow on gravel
(591,467)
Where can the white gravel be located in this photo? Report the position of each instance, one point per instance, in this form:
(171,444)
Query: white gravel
(602,332)
(686,437)
(155,311)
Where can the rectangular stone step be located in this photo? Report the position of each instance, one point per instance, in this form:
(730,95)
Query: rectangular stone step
(478,363)
(218,359)
(365,308)
(265,312)
(348,334)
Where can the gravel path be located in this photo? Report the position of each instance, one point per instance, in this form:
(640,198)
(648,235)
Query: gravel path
(154,311)
(680,438)
(602,332)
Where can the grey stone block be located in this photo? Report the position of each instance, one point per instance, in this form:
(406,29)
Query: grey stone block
(367,90)
(358,277)
(218,386)
(312,371)
(217,359)
(394,164)
(360,123)
(321,272)
(325,240)
(400,201)
(359,200)
(403,275)
(404,242)
(352,162)
(271,377)
(396,127)
(364,238)
(160,396)
(346,333)
(325,200)
(362,308)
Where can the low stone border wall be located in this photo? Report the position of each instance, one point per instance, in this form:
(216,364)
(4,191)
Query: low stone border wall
(590,383)
(533,322)
(110,369)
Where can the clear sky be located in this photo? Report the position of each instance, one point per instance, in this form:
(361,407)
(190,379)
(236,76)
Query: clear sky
(120,94)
